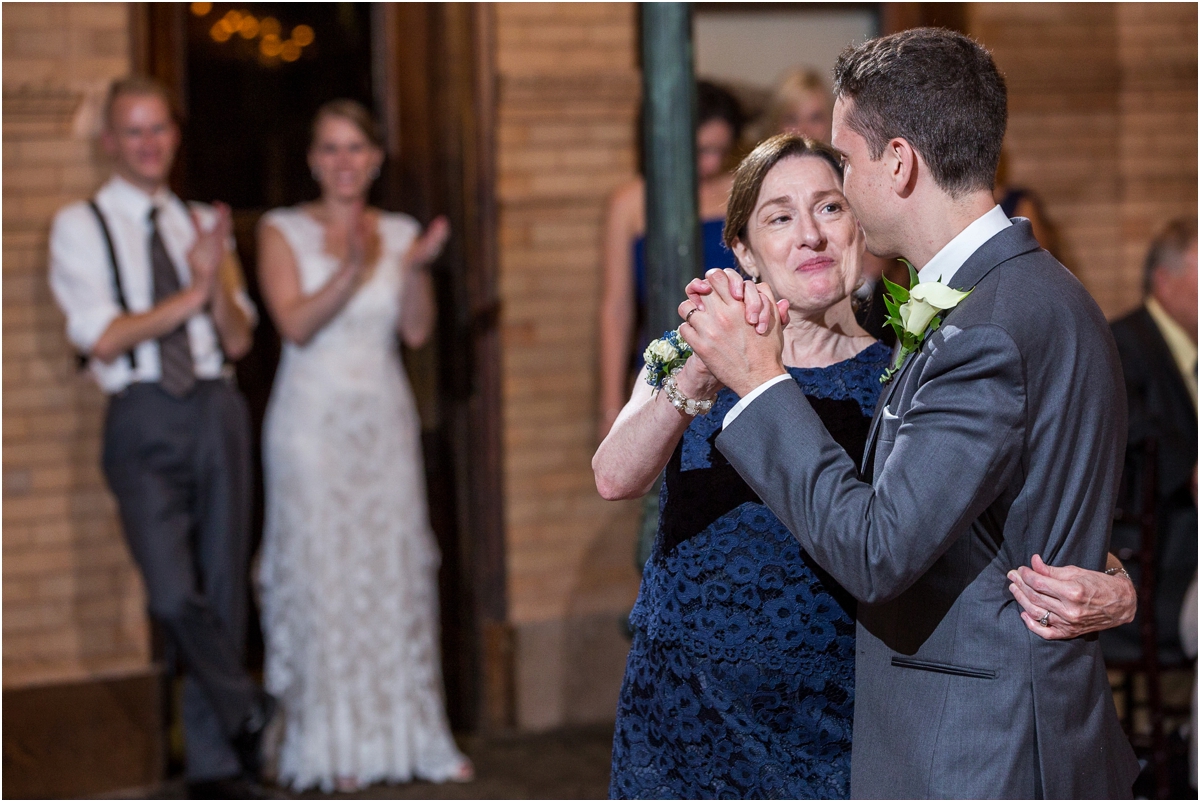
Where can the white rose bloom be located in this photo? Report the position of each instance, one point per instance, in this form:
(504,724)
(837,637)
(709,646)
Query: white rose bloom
(663,351)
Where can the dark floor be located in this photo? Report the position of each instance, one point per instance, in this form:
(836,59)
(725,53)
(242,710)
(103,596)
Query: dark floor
(564,764)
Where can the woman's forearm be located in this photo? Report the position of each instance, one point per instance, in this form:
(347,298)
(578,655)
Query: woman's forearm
(418,311)
(639,444)
(300,320)
(616,330)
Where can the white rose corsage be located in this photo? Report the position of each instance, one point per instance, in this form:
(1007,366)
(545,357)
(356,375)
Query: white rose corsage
(664,358)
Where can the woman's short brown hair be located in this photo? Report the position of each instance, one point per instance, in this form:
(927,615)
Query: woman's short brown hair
(353,111)
(750,174)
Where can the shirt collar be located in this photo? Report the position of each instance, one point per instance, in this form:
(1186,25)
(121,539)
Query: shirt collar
(950,258)
(1182,349)
(134,200)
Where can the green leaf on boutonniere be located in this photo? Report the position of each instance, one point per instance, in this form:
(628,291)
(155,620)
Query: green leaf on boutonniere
(894,293)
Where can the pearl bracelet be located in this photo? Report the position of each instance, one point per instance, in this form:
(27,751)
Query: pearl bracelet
(1121,571)
(688,406)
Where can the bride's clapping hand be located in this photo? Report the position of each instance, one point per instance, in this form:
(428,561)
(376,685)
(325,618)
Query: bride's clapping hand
(428,246)
(361,244)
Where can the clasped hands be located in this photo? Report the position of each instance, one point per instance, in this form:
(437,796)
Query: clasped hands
(735,327)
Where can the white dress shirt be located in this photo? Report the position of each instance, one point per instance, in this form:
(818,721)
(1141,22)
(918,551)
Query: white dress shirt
(82,280)
(942,266)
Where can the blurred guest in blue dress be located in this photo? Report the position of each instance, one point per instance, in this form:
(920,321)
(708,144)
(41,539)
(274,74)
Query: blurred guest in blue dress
(623,300)
(740,678)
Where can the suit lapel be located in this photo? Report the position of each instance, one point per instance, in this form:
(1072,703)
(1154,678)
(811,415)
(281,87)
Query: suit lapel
(1014,241)
(888,390)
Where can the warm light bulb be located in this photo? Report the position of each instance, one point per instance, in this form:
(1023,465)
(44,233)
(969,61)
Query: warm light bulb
(220,32)
(303,35)
(270,46)
(201,9)
(270,27)
(249,27)
(290,51)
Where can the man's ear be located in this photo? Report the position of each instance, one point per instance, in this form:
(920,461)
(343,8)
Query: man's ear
(745,259)
(902,161)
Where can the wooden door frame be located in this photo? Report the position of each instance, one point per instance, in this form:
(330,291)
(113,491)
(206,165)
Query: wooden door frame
(438,71)
(434,77)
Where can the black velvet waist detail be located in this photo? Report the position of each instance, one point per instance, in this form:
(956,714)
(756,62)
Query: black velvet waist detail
(698,497)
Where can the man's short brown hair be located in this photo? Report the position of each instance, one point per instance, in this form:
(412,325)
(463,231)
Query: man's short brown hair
(142,85)
(937,89)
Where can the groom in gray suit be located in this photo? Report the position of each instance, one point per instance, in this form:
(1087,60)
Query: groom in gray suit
(999,438)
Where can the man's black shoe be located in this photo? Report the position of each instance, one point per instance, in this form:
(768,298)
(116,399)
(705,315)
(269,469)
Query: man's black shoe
(228,788)
(248,741)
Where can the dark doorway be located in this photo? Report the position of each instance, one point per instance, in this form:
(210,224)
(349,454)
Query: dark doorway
(249,78)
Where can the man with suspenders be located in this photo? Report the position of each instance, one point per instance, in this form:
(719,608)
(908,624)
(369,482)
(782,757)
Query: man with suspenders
(154,300)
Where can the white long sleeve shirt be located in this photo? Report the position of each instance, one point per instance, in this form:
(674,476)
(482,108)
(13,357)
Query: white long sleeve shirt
(81,278)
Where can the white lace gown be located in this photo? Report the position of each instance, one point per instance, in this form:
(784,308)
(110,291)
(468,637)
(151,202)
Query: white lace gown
(349,564)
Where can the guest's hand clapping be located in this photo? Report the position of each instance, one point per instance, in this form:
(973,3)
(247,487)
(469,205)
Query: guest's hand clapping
(426,248)
(209,249)
(361,243)
(719,329)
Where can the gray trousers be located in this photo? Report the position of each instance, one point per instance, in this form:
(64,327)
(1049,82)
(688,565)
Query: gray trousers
(180,470)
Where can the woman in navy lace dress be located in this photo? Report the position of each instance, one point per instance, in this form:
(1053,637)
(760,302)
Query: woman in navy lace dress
(740,679)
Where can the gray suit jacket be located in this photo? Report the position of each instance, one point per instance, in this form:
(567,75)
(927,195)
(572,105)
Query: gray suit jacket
(1002,438)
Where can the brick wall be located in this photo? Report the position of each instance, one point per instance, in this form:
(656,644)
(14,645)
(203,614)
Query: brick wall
(72,601)
(1102,124)
(568,93)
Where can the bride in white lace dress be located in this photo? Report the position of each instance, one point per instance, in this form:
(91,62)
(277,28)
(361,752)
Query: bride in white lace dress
(349,564)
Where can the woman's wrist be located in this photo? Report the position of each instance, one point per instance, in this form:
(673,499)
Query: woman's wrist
(696,387)
(683,403)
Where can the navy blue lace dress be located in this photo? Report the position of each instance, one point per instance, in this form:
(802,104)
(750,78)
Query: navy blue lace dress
(740,679)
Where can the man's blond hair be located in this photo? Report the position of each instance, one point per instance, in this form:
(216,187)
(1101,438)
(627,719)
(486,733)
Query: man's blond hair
(140,85)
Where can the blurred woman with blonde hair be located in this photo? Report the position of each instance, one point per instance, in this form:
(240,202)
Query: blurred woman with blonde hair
(801,104)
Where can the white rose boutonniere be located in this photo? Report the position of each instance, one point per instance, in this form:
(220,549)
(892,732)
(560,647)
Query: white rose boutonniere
(915,314)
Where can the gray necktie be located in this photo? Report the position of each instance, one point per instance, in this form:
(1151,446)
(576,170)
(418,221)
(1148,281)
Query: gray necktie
(175,354)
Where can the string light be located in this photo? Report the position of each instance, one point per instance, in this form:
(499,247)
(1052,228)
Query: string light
(303,35)
(270,46)
(249,27)
(289,51)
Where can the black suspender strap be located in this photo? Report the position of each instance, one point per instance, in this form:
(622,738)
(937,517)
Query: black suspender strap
(116,271)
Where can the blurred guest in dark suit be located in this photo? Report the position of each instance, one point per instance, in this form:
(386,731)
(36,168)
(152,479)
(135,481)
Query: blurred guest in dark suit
(1157,343)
